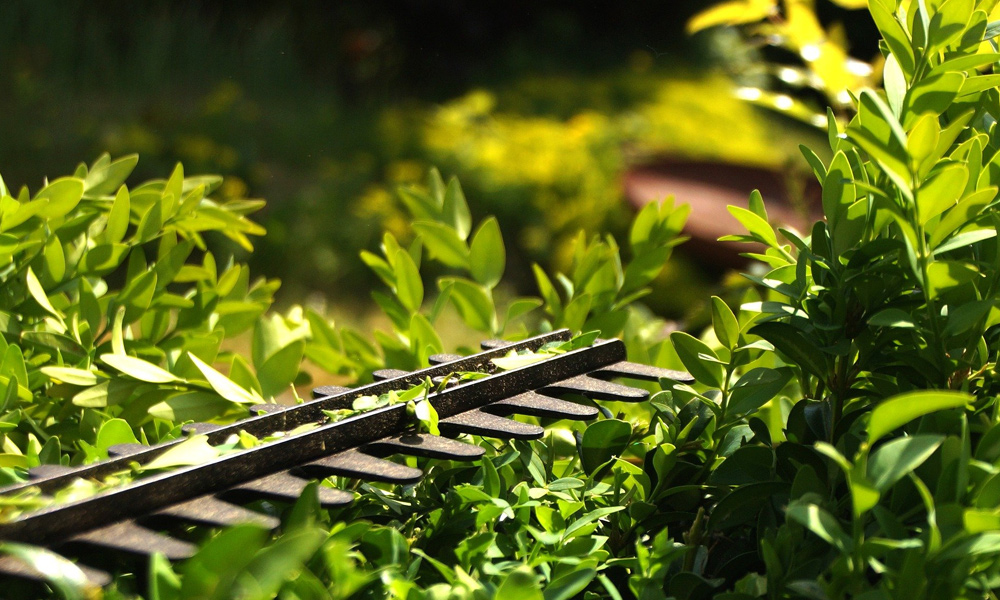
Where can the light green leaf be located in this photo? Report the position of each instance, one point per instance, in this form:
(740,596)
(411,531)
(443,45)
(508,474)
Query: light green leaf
(948,23)
(724,322)
(104,179)
(894,83)
(63,575)
(821,523)
(38,293)
(756,226)
(838,189)
(113,432)
(473,302)
(755,388)
(223,385)
(62,195)
(603,440)
(138,368)
(409,286)
(487,253)
(443,243)
(900,409)
(700,360)
(569,585)
(281,368)
(895,36)
(193,451)
(521,583)
(71,375)
(190,406)
(932,95)
(456,210)
(966,211)
(897,458)
(941,191)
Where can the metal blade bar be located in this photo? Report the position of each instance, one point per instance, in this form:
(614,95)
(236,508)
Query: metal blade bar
(163,489)
(301,414)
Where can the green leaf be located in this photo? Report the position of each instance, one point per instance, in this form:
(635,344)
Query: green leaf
(897,458)
(195,450)
(945,275)
(103,180)
(965,240)
(190,406)
(521,583)
(965,212)
(62,195)
(443,243)
(138,368)
(113,432)
(892,317)
(900,409)
(755,388)
(932,95)
(756,226)
(211,572)
(137,295)
(38,293)
(602,441)
(700,360)
(473,302)
(948,23)
(487,256)
(281,368)
(895,36)
(923,141)
(409,286)
(794,344)
(102,260)
(941,191)
(223,385)
(724,322)
(644,268)
(272,566)
(821,523)
(894,83)
(570,584)
(838,189)
(63,575)
(456,210)
(71,375)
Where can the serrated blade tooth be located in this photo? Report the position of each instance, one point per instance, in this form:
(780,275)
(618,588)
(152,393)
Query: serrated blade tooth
(481,423)
(212,512)
(132,538)
(288,488)
(359,465)
(425,446)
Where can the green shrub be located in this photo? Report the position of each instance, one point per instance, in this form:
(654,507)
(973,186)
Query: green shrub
(840,441)
(113,307)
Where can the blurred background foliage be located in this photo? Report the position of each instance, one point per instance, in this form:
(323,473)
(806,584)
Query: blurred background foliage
(324,109)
